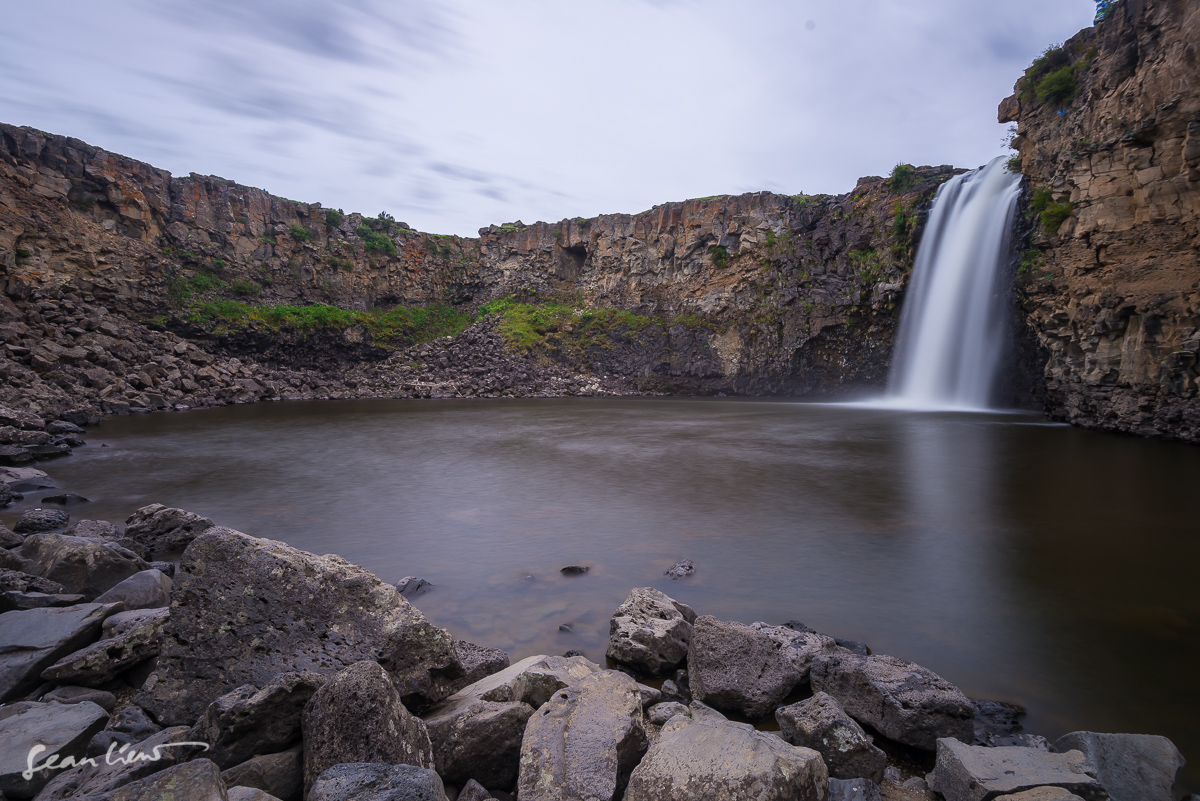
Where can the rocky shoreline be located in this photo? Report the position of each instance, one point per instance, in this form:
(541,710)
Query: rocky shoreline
(260,671)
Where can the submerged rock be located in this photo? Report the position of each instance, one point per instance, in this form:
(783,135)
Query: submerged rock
(244,610)
(36,521)
(680,569)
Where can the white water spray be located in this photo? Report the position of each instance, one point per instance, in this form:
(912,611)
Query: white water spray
(954,323)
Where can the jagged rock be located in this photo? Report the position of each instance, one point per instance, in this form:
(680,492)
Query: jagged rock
(799,647)
(77,695)
(232,589)
(680,569)
(148,589)
(853,790)
(723,761)
(61,729)
(360,781)
(116,770)
(411,586)
(35,639)
(584,742)
(130,725)
(738,668)
(36,521)
(474,791)
(249,720)
(94,530)
(161,528)
(477,662)
(66,499)
(659,714)
(20,581)
(977,773)
(996,722)
(101,662)
(476,739)
(1043,794)
(13,600)
(8,537)
(281,774)
(649,632)
(532,680)
(821,724)
(10,561)
(1131,767)
(166,568)
(198,780)
(248,794)
(81,565)
(14,456)
(335,730)
(7,498)
(122,623)
(902,701)
(23,479)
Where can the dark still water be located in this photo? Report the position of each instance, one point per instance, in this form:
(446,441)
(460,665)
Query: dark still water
(1023,561)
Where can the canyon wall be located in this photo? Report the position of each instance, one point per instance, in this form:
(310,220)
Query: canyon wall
(1111,281)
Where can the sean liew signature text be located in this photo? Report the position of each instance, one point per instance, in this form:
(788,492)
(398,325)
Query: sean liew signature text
(111,757)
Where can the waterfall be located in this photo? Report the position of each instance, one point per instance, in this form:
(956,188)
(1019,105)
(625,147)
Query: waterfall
(954,323)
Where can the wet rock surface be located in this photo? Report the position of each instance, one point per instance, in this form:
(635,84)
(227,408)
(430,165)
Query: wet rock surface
(35,639)
(738,668)
(61,729)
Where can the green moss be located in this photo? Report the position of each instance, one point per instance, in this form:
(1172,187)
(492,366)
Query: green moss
(398,325)
(557,325)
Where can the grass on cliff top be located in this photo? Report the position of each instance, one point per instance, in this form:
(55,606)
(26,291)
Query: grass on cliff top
(397,325)
(527,326)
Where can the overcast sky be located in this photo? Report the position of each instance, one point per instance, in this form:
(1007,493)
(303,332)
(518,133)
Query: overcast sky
(457,114)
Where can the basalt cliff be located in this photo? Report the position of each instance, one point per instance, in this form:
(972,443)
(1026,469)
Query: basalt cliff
(127,288)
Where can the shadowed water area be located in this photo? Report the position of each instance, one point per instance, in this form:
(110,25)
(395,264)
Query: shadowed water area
(1022,560)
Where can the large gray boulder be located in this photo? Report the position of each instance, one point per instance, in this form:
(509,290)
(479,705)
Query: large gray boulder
(157,528)
(821,724)
(280,774)
(249,720)
(722,761)
(34,639)
(118,769)
(800,646)
(244,610)
(17,580)
(59,732)
(477,739)
(1132,767)
(477,662)
(650,632)
(738,668)
(149,589)
(198,780)
(854,790)
(13,601)
(978,773)
(902,701)
(584,742)
(361,781)
(336,730)
(80,565)
(533,680)
(38,520)
(101,662)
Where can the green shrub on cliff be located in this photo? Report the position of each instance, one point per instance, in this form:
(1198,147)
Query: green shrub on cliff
(334,217)
(555,324)
(720,256)
(245,287)
(1049,212)
(902,177)
(1053,77)
(397,325)
(300,233)
(376,241)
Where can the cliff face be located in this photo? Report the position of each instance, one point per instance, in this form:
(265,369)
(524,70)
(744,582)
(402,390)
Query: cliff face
(757,293)
(1111,283)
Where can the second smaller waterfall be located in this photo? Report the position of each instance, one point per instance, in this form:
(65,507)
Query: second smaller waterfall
(954,323)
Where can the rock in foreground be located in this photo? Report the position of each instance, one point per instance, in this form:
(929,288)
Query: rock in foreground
(978,773)
(245,609)
(364,781)
(35,639)
(650,631)
(62,729)
(1132,767)
(821,724)
(738,668)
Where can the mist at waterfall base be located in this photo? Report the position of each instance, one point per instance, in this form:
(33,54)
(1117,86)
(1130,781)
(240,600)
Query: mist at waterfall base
(954,324)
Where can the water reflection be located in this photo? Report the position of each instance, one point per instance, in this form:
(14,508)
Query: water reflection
(1024,561)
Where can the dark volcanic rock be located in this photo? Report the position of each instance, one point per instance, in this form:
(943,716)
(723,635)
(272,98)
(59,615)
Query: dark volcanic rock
(574,570)
(37,638)
(20,581)
(162,528)
(81,565)
(1131,767)
(821,724)
(87,783)
(11,600)
(38,520)
(336,730)
(975,773)
(477,662)
(476,739)
(853,790)
(198,780)
(8,537)
(411,586)
(251,721)
(94,529)
(649,632)
(735,667)
(66,499)
(77,695)
(362,781)
(280,774)
(62,729)
(148,589)
(680,569)
(233,589)
(130,725)
(103,661)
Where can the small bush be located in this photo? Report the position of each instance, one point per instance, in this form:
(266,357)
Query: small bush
(1057,88)
(245,287)
(300,233)
(720,256)
(1049,212)
(334,217)
(376,241)
(903,176)
(342,264)
(1013,164)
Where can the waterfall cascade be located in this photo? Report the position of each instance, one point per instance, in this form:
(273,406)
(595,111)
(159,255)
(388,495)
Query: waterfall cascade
(954,323)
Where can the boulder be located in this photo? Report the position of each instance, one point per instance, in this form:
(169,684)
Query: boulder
(58,732)
(336,730)
(821,724)
(649,633)
(80,565)
(248,794)
(13,600)
(474,791)
(902,701)
(361,781)
(23,479)
(297,611)
(412,586)
(738,668)
(101,662)
(977,773)
(10,561)
(36,521)
(77,695)
(159,528)
(281,774)
(480,740)
(34,639)
(1131,767)
(8,537)
(124,622)
(533,680)
(723,761)
(198,780)
(114,770)
(130,725)
(249,720)
(20,581)
(659,714)
(94,530)
(149,589)
(853,790)
(584,742)
(680,569)
(477,662)
(800,648)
